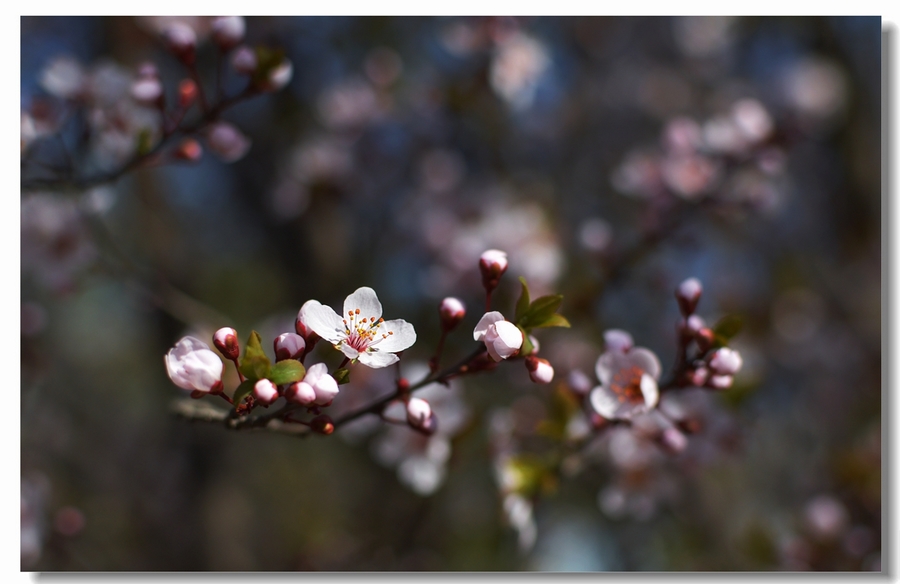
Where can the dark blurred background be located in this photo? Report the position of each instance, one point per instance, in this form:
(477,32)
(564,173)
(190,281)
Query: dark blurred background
(401,149)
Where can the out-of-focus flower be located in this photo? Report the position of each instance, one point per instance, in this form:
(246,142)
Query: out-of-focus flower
(703,36)
(288,346)
(826,517)
(55,243)
(362,334)
(595,235)
(539,369)
(817,87)
(501,337)
(64,77)
(688,295)
(519,513)
(317,387)
(226,341)
(617,340)
(627,383)
(419,414)
(228,31)
(244,61)
(639,175)
(349,105)
(752,119)
(516,69)
(278,77)
(147,90)
(682,135)
(689,176)
(265,392)
(227,141)
(383,66)
(452,312)
(181,39)
(192,365)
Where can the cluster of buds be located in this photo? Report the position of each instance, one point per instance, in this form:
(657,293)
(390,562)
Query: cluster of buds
(712,367)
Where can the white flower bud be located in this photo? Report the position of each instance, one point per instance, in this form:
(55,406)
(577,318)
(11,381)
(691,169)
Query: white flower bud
(323,384)
(227,141)
(228,31)
(243,60)
(265,392)
(226,342)
(493,264)
(693,324)
(617,340)
(301,392)
(726,361)
(720,381)
(289,346)
(417,411)
(193,366)
(452,311)
(147,90)
(181,40)
(688,294)
(279,76)
(539,369)
(501,337)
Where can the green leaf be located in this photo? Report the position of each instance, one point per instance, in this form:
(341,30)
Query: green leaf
(553,320)
(540,310)
(524,300)
(242,391)
(144,141)
(267,60)
(287,371)
(342,376)
(728,327)
(255,365)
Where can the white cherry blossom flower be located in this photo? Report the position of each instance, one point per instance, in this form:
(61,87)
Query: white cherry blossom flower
(360,333)
(501,337)
(192,365)
(627,383)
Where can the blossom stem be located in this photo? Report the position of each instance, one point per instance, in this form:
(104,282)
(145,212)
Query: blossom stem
(434,363)
(238,369)
(487,301)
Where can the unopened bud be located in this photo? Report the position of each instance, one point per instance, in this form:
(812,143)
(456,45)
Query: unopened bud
(688,294)
(493,264)
(278,77)
(699,376)
(226,342)
(720,381)
(147,90)
(539,369)
(417,412)
(693,324)
(228,31)
(301,393)
(181,39)
(244,60)
(227,142)
(322,424)
(617,340)
(265,392)
(288,346)
(705,339)
(726,361)
(187,93)
(189,150)
(673,441)
(452,311)
(579,382)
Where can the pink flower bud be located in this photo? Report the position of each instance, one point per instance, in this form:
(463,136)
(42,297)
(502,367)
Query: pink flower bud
(688,294)
(278,77)
(699,376)
(265,392)
(323,384)
(720,381)
(193,366)
(301,393)
(226,342)
(181,39)
(417,411)
(187,93)
(726,361)
(539,369)
(617,340)
(493,264)
(693,324)
(502,338)
(673,440)
(189,150)
(289,346)
(243,60)
(228,31)
(227,141)
(452,311)
(147,90)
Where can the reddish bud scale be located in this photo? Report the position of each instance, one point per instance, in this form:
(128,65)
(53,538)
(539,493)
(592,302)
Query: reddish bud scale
(226,341)
(322,425)
(705,339)
(403,384)
(493,264)
(187,93)
(189,150)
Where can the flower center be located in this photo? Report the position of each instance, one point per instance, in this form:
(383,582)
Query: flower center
(362,333)
(626,384)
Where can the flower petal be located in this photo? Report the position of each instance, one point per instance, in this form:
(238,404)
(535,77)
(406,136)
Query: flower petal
(315,372)
(486,321)
(607,366)
(377,359)
(324,321)
(510,335)
(403,338)
(348,351)
(366,301)
(604,402)
(646,360)
(650,390)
